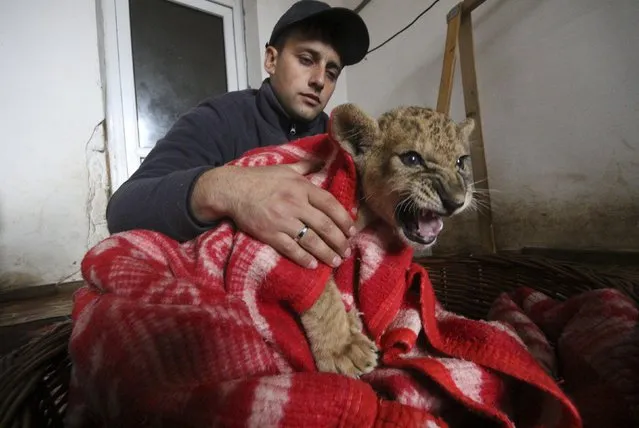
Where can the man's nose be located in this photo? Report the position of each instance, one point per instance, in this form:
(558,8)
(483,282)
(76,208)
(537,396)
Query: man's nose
(318,77)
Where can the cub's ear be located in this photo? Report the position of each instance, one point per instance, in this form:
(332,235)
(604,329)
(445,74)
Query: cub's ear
(353,129)
(467,127)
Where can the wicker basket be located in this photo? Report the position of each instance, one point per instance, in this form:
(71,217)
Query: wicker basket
(469,285)
(35,377)
(34,381)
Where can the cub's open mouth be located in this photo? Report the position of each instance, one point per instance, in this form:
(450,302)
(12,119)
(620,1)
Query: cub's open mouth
(419,226)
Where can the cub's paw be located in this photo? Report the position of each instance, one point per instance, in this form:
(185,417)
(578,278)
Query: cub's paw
(354,357)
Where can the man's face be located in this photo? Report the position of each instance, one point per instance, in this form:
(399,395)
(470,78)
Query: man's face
(303,75)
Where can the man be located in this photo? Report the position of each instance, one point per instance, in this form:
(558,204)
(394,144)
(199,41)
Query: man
(184,187)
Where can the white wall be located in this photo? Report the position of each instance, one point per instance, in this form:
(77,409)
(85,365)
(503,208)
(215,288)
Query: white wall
(51,105)
(558,91)
(559,99)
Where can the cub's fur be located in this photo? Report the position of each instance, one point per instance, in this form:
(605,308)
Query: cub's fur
(414,168)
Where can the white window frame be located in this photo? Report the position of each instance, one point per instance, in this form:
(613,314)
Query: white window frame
(123,143)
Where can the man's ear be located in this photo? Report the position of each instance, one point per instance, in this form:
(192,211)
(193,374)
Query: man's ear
(270,60)
(353,129)
(467,127)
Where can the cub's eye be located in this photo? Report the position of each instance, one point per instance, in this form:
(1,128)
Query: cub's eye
(411,159)
(462,162)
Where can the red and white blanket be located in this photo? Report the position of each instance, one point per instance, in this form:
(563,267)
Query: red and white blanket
(205,333)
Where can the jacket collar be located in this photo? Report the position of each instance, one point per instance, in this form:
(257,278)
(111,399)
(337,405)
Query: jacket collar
(271,109)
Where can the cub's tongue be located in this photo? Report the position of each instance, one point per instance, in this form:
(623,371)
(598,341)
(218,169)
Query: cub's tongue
(429,224)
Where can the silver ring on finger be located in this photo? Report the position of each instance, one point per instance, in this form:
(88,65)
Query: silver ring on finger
(301,233)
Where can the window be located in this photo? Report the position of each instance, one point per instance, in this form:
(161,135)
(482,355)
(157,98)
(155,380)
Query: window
(161,57)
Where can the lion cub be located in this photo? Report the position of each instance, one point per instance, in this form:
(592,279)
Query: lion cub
(414,168)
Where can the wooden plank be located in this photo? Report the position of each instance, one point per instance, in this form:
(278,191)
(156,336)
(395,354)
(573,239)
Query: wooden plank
(52,301)
(470,5)
(450,54)
(38,291)
(471,102)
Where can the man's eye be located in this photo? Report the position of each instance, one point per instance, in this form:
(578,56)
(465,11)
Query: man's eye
(332,76)
(411,159)
(305,60)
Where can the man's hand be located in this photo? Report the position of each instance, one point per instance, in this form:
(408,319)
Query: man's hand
(273,204)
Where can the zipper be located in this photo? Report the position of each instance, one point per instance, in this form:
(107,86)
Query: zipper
(292,132)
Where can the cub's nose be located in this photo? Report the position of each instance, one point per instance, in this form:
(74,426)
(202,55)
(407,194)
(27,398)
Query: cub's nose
(451,203)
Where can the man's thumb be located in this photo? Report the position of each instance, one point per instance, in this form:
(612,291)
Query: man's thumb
(305,167)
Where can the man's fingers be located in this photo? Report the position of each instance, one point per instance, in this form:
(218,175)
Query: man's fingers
(314,244)
(329,205)
(305,167)
(291,249)
(327,231)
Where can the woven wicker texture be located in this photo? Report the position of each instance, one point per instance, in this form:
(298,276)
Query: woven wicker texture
(35,381)
(35,377)
(469,285)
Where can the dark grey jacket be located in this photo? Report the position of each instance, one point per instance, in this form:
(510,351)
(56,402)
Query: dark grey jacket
(215,132)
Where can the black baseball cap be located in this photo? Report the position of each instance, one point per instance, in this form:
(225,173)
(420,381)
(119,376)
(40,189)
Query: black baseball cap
(351,34)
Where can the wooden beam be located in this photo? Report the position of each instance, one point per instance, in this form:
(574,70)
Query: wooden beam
(37,303)
(471,102)
(470,5)
(450,54)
